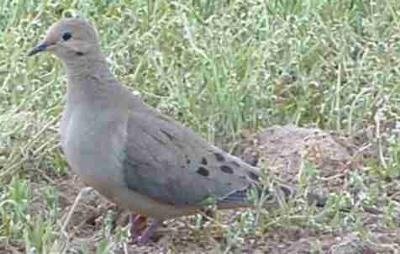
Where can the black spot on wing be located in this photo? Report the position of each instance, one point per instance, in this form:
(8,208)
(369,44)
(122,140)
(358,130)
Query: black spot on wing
(219,157)
(253,176)
(187,159)
(204,161)
(203,171)
(167,134)
(226,169)
(157,138)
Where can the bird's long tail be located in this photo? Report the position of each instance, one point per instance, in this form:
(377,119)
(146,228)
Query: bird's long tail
(269,196)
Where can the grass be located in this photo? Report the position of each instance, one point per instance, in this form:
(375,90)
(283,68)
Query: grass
(224,68)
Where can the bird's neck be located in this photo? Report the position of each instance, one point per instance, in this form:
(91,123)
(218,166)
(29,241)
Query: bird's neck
(85,66)
(90,80)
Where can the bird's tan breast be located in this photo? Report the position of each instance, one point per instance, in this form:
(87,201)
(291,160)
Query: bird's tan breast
(93,151)
(93,147)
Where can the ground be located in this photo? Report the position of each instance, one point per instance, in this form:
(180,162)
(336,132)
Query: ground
(307,90)
(288,149)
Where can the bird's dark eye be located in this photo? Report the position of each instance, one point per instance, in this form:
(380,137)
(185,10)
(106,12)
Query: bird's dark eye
(66,36)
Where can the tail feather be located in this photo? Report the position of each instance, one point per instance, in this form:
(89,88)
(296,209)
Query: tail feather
(252,195)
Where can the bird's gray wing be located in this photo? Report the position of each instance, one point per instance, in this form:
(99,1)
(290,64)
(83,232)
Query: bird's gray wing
(171,164)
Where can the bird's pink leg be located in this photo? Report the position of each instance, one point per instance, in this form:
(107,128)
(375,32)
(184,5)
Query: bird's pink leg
(148,233)
(138,226)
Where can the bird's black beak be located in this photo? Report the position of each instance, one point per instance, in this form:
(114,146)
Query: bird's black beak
(37,49)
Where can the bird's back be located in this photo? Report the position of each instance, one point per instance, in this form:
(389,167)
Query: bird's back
(172,164)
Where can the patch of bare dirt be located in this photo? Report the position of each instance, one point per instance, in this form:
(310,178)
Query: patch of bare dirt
(284,151)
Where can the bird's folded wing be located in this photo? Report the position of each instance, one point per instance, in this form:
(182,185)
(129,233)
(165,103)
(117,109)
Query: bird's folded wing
(171,164)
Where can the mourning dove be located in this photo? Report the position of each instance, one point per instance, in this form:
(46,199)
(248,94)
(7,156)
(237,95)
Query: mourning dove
(137,157)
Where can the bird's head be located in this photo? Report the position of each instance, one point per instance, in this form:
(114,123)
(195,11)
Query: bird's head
(69,39)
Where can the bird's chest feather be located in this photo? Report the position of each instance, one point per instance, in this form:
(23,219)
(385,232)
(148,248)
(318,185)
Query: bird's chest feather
(93,145)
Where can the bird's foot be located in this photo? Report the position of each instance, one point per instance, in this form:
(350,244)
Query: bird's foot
(148,233)
(138,226)
(140,233)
